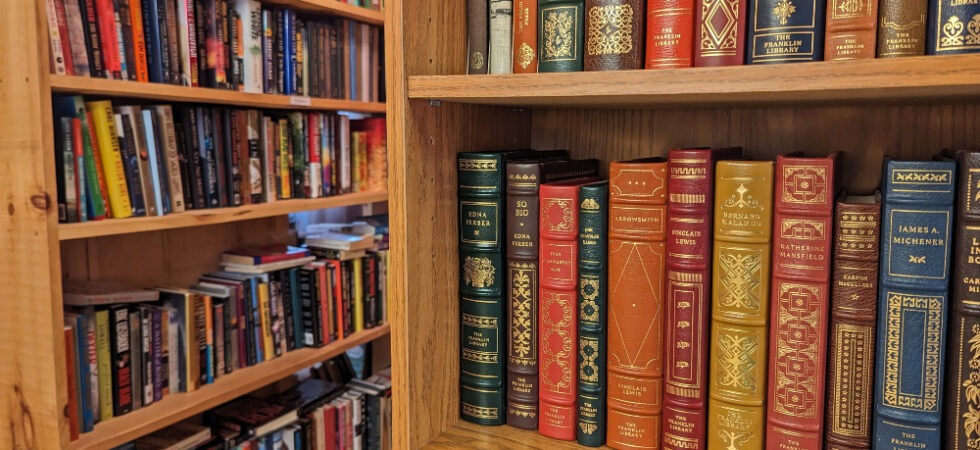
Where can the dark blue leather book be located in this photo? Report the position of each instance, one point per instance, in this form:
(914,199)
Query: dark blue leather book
(781,31)
(592,244)
(954,27)
(151,33)
(912,303)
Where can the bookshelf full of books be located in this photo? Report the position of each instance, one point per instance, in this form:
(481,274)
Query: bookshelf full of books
(155,154)
(513,251)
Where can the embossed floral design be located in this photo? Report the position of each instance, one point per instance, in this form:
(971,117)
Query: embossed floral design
(952,30)
(973,30)
(521,329)
(525,55)
(610,30)
(971,390)
(558,40)
(784,10)
(478,272)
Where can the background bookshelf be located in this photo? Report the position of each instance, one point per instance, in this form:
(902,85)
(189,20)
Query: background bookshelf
(173,249)
(907,108)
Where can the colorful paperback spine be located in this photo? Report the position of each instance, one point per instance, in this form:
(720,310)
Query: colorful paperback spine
(112,164)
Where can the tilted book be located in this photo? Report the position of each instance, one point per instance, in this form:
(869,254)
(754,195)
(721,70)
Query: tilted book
(593,235)
(637,219)
(800,296)
(851,346)
(740,304)
(523,181)
(914,282)
(782,31)
(962,395)
(558,308)
(690,199)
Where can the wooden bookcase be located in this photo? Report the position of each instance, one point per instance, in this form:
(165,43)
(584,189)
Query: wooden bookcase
(907,108)
(38,253)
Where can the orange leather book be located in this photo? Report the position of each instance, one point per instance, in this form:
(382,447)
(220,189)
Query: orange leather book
(525,36)
(740,305)
(852,30)
(637,220)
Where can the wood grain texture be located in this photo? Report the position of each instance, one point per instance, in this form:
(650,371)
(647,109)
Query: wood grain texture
(213,216)
(468,435)
(893,80)
(180,406)
(33,395)
(67,84)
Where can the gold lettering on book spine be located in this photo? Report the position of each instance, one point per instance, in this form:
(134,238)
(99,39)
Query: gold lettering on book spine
(523,307)
(796,349)
(610,30)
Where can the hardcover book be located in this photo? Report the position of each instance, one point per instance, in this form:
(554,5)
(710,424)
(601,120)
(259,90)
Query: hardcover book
(720,32)
(593,232)
(670,34)
(740,304)
(558,308)
(782,31)
(481,282)
(914,281)
(690,199)
(902,27)
(800,297)
(851,348)
(523,181)
(501,36)
(560,32)
(962,401)
(954,27)
(852,27)
(525,36)
(478,36)
(637,219)
(614,34)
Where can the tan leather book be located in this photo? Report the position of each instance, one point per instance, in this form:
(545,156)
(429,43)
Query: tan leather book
(525,36)
(740,304)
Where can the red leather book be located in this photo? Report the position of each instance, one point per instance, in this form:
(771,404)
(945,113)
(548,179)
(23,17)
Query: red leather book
(687,323)
(670,33)
(799,316)
(720,33)
(637,219)
(558,304)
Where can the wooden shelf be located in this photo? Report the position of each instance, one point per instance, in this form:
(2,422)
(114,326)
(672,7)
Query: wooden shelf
(925,79)
(67,84)
(211,216)
(334,8)
(468,435)
(177,407)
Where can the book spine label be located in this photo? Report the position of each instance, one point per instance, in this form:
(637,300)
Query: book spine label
(740,304)
(852,27)
(720,28)
(800,300)
(962,402)
(902,28)
(592,283)
(501,36)
(954,27)
(525,49)
(851,351)
(782,31)
(915,270)
(560,35)
(481,228)
(637,222)
(688,302)
(614,34)
(557,310)
(523,180)
(670,34)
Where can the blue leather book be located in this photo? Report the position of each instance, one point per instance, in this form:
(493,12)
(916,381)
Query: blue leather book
(781,31)
(954,27)
(912,303)
(593,241)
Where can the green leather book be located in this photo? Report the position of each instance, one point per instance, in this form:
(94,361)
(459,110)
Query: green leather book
(481,282)
(593,219)
(561,32)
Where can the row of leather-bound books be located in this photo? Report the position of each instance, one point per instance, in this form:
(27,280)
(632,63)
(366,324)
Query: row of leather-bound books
(704,300)
(526,36)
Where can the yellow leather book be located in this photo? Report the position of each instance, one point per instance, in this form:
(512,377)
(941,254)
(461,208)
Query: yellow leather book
(740,304)
(104,123)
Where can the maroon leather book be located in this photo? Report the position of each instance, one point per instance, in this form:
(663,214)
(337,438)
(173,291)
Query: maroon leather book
(720,33)
(690,191)
(670,33)
(800,300)
(558,318)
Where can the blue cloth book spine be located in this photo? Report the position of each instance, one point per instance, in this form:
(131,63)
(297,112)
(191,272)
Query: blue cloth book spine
(912,303)
(781,31)
(954,27)
(151,33)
